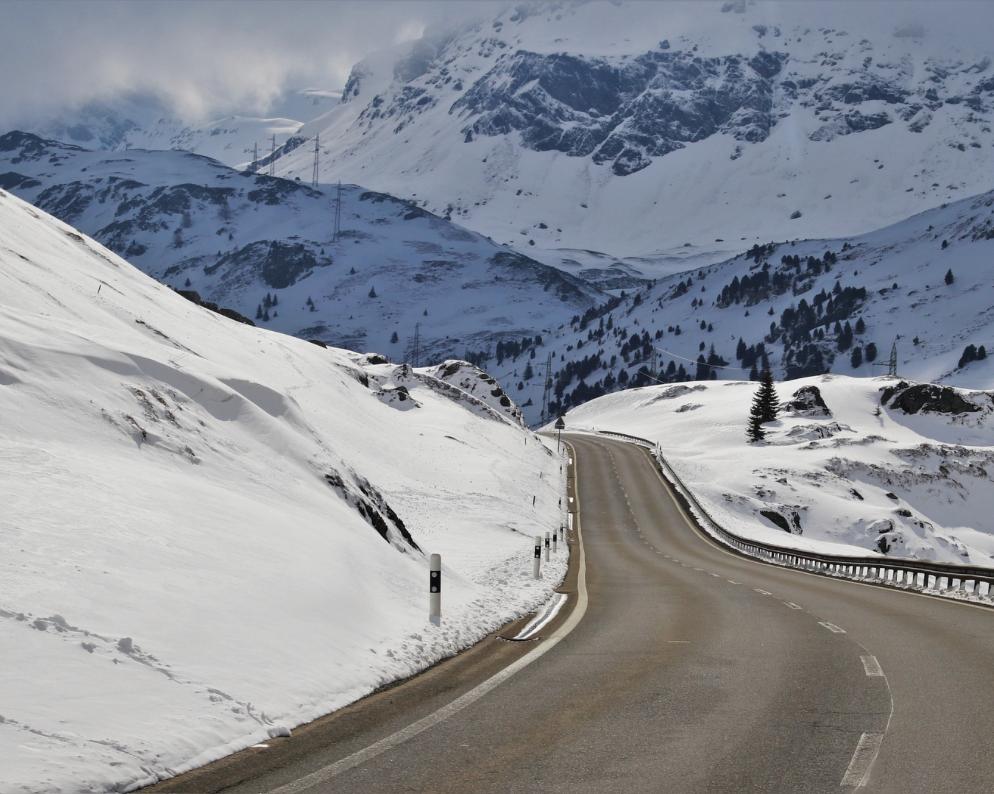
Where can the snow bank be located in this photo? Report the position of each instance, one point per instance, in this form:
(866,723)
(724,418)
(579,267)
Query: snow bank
(864,473)
(212,533)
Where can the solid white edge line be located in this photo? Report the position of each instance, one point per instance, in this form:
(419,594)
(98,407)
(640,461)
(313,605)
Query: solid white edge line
(543,618)
(862,759)
(359,757)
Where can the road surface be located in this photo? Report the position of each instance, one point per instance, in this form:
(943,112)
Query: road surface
(690,670)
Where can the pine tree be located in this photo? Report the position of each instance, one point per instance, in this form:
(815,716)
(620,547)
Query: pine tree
(856,359)
(372,292)
(767,395)
(871,352)
(764,408)
(393,338)
(754,430)
(860,326)
(258,312)
(950,278)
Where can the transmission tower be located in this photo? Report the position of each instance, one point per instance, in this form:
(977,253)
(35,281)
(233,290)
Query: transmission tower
(314,176)
(272,157)
(891,361)
(416,355)
(255,158)
(338,213)
(547,391)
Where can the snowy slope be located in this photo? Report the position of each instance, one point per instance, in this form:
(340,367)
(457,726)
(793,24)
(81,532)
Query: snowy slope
(239,237)
(905,472)
(213,532)
(785,300)
(653,130)
(144,122)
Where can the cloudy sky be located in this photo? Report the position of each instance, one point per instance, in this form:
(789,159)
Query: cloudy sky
(205,56)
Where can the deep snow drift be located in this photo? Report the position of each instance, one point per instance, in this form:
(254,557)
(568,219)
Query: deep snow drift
(211,532)
(883,466)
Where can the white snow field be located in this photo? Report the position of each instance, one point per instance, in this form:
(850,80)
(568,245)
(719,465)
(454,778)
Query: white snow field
(211,533)
(869,476)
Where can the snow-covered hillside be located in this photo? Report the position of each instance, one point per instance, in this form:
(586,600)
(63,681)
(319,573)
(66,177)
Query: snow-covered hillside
(654,130)
(803,307)
(213,532)
(266,248)
(853,465)
(145,122)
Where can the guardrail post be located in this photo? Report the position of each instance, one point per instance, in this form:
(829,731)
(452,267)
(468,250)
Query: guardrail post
(435,589)
(537,566)
(547,546)
(562,533)
(555,542)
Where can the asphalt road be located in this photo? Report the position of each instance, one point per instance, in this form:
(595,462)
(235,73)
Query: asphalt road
(690,670)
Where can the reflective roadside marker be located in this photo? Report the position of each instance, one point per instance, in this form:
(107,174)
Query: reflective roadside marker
(435,589)
(538,557)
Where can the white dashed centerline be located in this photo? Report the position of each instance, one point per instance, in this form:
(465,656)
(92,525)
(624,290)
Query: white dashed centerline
(831,627)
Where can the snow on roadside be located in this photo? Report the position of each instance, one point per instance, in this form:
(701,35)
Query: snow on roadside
(212,533)
(886,467)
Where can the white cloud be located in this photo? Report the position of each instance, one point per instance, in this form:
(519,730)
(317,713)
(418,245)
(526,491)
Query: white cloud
(203,58)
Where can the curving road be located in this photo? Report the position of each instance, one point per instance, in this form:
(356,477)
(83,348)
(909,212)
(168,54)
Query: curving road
(690,670)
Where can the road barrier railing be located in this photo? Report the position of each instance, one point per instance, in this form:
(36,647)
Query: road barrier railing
(964,582)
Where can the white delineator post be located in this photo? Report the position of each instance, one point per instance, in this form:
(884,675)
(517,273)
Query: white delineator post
(547,546)
(538,557)
(555,540)
(435,589)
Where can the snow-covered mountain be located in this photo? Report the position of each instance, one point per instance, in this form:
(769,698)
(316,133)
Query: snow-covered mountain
(662,132)
(146,122)
(851,466)
(212,532)
(397,278)
(803,307)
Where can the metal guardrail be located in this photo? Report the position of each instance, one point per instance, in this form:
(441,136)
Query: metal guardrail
(945,579)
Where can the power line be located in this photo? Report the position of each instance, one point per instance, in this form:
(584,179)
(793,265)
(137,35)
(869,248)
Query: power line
(695,361)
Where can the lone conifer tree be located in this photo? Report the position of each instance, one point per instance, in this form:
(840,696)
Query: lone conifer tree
(754,430)
(767,396)
(950,278)
(764,407)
